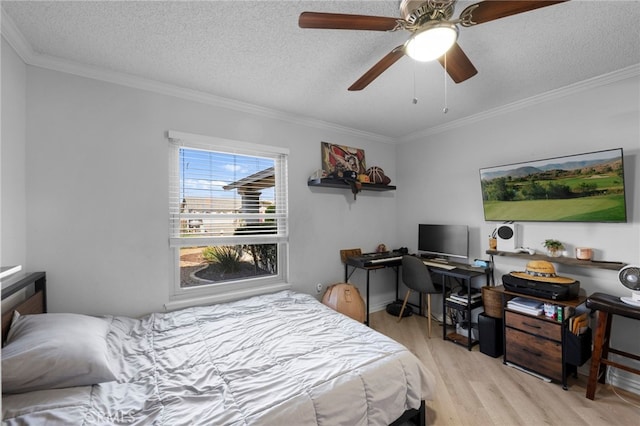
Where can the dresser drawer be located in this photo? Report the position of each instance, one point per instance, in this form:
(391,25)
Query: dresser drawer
(540,327)
(535,353)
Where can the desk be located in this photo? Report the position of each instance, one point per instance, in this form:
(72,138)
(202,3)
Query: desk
(461,272)
(607,306)
(356,263)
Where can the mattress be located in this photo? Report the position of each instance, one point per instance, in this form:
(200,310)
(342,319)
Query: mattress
(282,358)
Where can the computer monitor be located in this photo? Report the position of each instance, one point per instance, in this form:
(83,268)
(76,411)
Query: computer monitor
(444,240)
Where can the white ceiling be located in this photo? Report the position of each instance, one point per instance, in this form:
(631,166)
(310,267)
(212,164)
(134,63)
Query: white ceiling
(254,52)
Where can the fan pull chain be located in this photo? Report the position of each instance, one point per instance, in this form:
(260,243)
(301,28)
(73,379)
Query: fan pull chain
(446,108)
(415,98)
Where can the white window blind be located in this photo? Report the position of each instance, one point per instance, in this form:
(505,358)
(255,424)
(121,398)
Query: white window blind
(226,192)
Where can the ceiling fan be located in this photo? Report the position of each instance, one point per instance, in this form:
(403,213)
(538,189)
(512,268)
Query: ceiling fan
(434,33)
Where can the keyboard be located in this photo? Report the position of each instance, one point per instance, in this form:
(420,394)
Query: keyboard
(439,265)
(375,259)
(385,259)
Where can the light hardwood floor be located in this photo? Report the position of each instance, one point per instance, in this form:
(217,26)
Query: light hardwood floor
(476,389)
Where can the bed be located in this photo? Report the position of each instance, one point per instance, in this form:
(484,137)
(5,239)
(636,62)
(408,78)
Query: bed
(282,358)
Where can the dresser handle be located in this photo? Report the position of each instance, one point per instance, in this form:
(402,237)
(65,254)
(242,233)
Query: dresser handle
(538,354)
(531,325)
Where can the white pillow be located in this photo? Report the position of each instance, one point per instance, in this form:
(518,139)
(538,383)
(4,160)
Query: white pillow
(48,351)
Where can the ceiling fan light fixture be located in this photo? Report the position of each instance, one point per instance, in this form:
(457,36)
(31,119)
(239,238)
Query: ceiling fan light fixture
(432,42)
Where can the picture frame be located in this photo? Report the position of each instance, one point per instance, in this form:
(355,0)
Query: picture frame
(341,158)
(585,187)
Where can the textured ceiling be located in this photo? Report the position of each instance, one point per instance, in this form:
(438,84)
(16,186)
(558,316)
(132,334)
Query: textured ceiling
(254,52)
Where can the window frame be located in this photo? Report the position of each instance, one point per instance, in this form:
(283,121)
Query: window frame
(228,290)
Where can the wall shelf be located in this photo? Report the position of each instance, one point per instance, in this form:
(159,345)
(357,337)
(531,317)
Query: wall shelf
(333,183)
(614,266)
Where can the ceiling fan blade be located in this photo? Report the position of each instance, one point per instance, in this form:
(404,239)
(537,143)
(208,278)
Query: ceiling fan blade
(490,10)
(382,65)
(459,67)
(341,21)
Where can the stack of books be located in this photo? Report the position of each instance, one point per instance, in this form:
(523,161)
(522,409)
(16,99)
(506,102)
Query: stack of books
(463,300)
(527,306)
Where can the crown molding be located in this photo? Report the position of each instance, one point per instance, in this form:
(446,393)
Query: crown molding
(24,50)
(14,37)
(591,83)
(135,82)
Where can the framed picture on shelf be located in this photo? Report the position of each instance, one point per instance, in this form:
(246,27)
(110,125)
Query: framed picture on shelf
(340,158)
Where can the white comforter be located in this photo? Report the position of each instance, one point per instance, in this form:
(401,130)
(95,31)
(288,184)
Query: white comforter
(279,359)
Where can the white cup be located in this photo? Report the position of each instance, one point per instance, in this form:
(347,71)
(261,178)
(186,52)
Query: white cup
(584,253)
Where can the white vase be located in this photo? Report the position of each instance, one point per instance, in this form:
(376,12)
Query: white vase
(554,252)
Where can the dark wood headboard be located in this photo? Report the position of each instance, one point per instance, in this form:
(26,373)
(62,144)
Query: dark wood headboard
(36,300)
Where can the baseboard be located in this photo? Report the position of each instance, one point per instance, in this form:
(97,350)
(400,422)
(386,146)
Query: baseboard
(379,307)
(624,379)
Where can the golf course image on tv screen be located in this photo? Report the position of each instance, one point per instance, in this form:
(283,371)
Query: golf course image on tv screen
(576,188)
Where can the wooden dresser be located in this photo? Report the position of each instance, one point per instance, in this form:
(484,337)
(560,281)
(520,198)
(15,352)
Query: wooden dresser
(537,343)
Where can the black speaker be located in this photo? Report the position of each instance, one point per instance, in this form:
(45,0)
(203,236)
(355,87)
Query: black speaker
(491,335)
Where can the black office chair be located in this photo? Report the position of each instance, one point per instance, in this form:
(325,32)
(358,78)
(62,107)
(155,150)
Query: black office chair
(417,277)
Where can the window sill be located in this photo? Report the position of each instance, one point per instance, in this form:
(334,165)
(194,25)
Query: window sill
(185,301)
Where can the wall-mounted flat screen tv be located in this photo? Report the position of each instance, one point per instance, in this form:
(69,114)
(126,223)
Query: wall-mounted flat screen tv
(576,188)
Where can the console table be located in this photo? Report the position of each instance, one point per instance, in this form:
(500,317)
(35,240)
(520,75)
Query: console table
(608,306)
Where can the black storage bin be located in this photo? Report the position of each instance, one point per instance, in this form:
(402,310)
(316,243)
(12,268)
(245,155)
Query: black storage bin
(491,335)
(577,348)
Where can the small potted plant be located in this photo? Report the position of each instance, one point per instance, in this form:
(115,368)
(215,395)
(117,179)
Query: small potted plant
(554,247)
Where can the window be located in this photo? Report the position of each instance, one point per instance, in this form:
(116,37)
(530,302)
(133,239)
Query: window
(227,217)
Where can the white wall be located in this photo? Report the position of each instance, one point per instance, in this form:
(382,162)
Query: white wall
(97,176)
(13,249)
(438,179)
(438,175)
